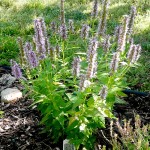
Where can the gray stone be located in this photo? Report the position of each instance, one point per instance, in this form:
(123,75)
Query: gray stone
(10,95)
(6,81)
(67,145)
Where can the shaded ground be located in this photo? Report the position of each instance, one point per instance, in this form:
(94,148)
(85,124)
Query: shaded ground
(20,130)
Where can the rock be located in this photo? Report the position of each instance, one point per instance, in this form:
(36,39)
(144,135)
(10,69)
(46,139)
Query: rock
(6,81)
(10,95)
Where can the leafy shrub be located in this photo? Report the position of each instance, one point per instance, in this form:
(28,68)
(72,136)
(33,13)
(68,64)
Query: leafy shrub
(74,98)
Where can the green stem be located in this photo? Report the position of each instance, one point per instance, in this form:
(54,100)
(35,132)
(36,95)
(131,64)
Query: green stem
(124,71)
(63,48)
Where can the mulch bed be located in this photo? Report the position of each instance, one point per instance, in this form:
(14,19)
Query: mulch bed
(20,129)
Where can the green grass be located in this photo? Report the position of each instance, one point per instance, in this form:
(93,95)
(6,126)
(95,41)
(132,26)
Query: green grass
(17,20)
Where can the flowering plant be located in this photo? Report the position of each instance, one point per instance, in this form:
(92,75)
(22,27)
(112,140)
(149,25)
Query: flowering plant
(74,98)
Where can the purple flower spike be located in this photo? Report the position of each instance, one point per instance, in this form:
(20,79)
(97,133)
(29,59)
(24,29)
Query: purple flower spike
(131,19)
(40,37)
(53,27)
(92,58)
(115,62)
(85,31)
(95,9)
(103,92)
(106,44)
(16,71)
(123,35)
(32,59)
(58,51)
(71,26)
(134,53)
(103,18)
(63,31)
(76,66)
(62,11)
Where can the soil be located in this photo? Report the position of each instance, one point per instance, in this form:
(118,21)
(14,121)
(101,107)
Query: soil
(20,129)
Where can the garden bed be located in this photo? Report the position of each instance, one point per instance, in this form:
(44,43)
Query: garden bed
(20,129)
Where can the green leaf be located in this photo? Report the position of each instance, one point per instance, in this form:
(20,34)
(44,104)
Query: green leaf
(120,101)
(71,97)
(92,112)
(73,123)
(90,102)
(78,101)
(61,119)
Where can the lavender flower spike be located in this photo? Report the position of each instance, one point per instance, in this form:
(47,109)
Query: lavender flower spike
(16,71)
(123,35)
(103,17)
(103,92)
(138,51)
(71,26)
(53,27)
(95,9)
(27,47)
(32,59)
(92,58)
(30,55)
(85,31)
(84,83)
(76,66)
(134,53)
(52,53)
(106,44)
(81,84)
(115,62)
(63,31)
(57,51)
(40,37)
(131,19)
(62,12)
(116,33)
